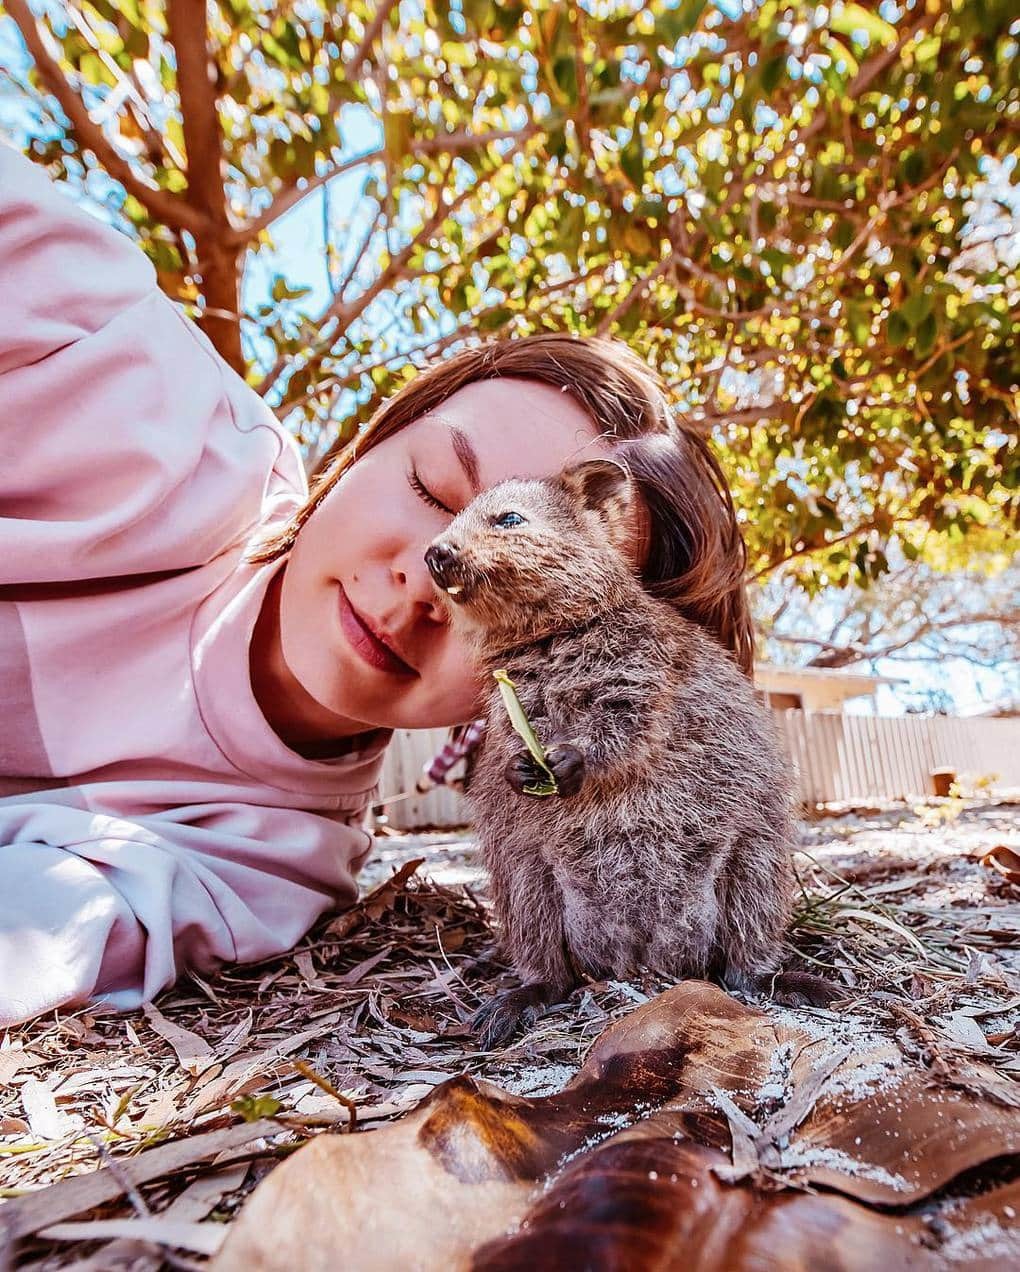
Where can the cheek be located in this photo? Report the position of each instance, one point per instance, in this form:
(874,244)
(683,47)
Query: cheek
(340,528)
(454,682)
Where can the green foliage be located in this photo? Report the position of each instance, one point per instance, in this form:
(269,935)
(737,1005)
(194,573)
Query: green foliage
(789,214)
(522,726)
(255,1107)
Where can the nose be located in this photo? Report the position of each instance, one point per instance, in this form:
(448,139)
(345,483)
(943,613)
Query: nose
(441,559)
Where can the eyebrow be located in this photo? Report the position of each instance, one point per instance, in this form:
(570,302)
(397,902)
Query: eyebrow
(467,456)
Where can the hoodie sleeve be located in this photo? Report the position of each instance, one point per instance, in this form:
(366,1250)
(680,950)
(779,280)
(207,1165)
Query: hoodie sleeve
(127,446)
(107,909)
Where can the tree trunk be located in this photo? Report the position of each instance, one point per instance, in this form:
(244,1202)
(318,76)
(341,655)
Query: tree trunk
(218,261)
(220,267)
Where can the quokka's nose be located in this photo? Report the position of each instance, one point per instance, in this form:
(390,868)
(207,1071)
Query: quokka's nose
(441,560)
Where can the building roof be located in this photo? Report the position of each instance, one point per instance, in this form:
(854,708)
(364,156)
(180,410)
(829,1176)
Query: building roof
(819,686)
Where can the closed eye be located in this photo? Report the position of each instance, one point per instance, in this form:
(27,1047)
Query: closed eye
(423,492)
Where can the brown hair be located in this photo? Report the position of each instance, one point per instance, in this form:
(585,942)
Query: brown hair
(695,557)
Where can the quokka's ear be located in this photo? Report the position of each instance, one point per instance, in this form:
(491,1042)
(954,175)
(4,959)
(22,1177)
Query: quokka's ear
(597,483)
(604,487)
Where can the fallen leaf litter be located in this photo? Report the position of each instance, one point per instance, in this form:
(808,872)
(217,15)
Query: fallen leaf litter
(897,904)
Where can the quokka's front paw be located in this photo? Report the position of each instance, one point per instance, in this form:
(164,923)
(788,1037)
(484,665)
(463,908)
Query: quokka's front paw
(566,763)
(522,770)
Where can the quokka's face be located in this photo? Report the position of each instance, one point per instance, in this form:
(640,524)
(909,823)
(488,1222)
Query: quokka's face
(517,545)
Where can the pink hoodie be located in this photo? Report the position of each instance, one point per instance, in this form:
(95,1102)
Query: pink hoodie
(150,819)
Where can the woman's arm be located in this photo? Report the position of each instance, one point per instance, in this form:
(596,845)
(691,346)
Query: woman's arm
(127,446)
(101,908)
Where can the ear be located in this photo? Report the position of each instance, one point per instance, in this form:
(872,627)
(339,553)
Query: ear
(597,484)
(604,487)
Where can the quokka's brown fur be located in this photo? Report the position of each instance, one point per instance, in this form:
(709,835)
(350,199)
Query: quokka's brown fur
(674,853)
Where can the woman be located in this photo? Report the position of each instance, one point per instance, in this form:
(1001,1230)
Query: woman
(201,662)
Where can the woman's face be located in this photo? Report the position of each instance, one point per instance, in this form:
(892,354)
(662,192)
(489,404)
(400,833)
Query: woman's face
(358,561)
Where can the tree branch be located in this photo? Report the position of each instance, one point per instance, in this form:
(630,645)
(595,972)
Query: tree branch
(353,67)
(348,311)
(834,655)
(186,25)
(871,70)
(159,146)
(446,143)
(812,547)
(633,296)
(583,120)
(336,383)
(217,256)
(171,209)
(292,195)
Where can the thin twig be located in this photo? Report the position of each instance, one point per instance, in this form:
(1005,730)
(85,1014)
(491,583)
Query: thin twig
(306,1070)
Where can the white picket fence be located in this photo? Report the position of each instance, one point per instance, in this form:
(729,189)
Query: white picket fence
(835,758)
(841,757)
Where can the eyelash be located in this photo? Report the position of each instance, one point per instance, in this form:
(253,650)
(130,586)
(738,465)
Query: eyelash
(423,492)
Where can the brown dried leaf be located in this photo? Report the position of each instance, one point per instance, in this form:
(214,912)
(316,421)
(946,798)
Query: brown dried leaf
(646,1200)
(194,1053)
(15,1060)
(358,973)
(70,1197)
(376,902)
(304,964)
(1004,861)
(468,1163)
(239,1077)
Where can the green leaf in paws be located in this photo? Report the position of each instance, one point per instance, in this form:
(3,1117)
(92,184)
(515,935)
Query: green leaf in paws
(522,726)
(541,788)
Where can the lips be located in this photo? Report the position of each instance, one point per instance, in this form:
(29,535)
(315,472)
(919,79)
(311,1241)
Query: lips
(366,643)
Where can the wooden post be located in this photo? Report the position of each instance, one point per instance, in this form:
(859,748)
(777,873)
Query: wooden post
(940,780)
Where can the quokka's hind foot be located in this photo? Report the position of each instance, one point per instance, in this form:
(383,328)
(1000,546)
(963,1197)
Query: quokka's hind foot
(506,1014)
(788,989)
(801,989)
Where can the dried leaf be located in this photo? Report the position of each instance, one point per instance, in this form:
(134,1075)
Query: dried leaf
(193,1053)
(46,1120)
(15,1060)
(250,1068)
(966,1031)
(472,1162)
(743,1141)
(362,969)
(304,964)
(805,1095)
(375,903)
(69,1197)
(649,1199)
(235,1038)
(883,921)
(1004,861)
(206,1192)
(194,1204)
(202,1238)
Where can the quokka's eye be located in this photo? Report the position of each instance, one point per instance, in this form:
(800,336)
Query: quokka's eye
(507,520)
